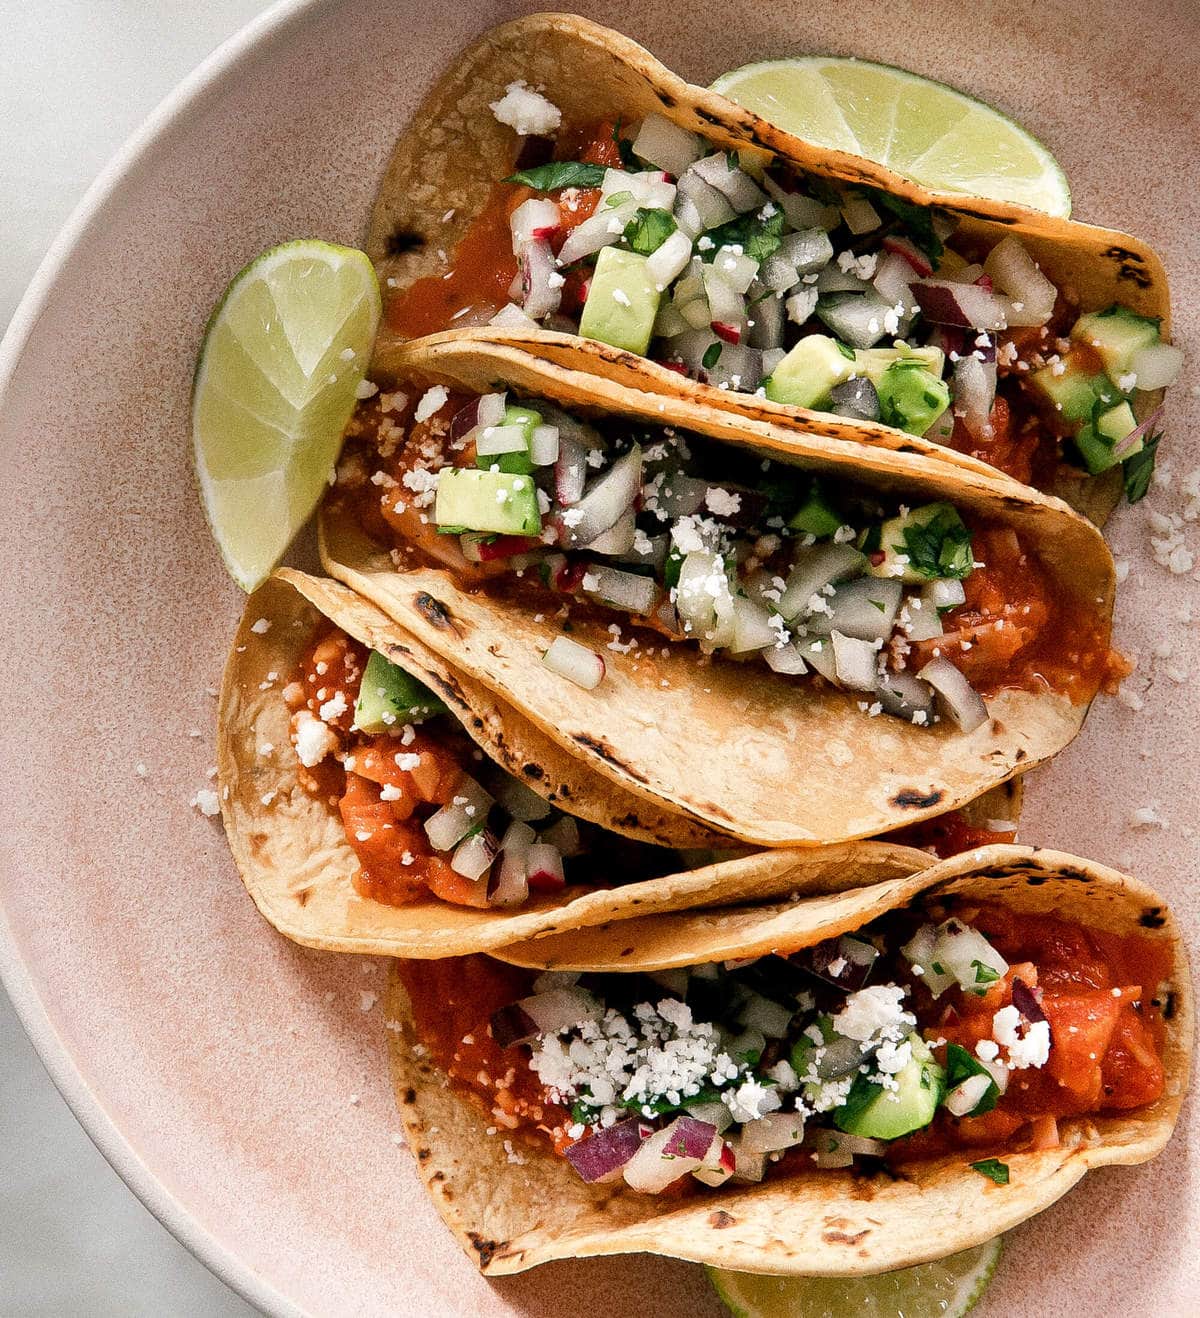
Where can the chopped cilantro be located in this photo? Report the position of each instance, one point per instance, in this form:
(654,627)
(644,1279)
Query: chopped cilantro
(845,349)
(757,237)
(941,547)
(984,974)
(993,1169)
(1139,469)
(649,229)
(618,198)
(559,174)
(876,604)
(960,1066)
(712,355)
(453,530)
(917,220)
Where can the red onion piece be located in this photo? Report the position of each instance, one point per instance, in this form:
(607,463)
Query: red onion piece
(1025,1002)
(669,1154)
(602,1156)
(910,251)
(730,333)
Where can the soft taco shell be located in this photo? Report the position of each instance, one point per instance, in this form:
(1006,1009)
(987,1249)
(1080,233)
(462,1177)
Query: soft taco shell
(826,1223)
(806,766)
(454,150)
(292,851)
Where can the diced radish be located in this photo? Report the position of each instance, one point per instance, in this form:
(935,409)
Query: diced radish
(957,698)
(575,662)
(949,303)
(719,1163)
(730,333)
(544,868)
(912,254)
(538,213)
(669,1154)
(974,392)
(491,548)
(602,1156)
(508,886)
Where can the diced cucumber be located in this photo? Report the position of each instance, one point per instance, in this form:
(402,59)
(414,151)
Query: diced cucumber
(815,516)
(897,546)
(877,1113)
(1116,423)
(622,302)
(1118,335)
(809,371)
(497,501)
(872,362)
(389,697)
(910,397)
(1072,389)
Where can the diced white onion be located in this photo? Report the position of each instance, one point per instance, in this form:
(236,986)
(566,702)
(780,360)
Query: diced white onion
(860,215)
(449,825)
(1016,273)
(669,259)
(1156,366)
(543,446)
(573,661)
(958,699)
(775,1131)
(512,317)
(530,217)
(663,143)
(854,662)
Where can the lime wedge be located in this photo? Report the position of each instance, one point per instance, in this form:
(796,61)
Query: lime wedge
(946,1288)
(928,132)
(282,359)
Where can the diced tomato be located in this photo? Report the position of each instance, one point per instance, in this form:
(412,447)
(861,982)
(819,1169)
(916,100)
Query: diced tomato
(451,886)
(505,546)
(1133,1071)
(1081,1026)
(379,841)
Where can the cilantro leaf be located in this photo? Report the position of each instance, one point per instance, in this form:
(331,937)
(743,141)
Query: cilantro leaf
(758,237)
(1139,469)
(917,220)
(711,356)
(559,174)
(940,547)
(984,974)
(995,1170)
(649,229)
(453,530)
(960,1066)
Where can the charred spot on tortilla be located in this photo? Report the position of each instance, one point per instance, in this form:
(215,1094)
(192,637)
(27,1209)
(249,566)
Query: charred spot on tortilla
(1152,918)
(602,749)
(835,1237)
(423,1155)
(1168,1011)
(440,1176)
(432,610)
(401,241)
(912,798)
(1020,755)
(666,99)
(721,1220)
(534,771)
(486,1249)
(409,1096)
(302,896)
(1035,880)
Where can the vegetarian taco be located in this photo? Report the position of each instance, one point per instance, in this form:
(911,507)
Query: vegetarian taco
(561,186)
(376,800)
(787,639)
(846,1083)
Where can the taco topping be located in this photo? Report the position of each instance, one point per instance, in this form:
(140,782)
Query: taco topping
(801,290)
(424,812)
(916,610)
(922,1034)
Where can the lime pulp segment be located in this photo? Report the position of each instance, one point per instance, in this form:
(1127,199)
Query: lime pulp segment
(932,134)
(280,366)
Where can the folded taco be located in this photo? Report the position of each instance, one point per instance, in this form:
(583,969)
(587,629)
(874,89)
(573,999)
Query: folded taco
(846,1083)
(787,639)
(376,800)
(562,187)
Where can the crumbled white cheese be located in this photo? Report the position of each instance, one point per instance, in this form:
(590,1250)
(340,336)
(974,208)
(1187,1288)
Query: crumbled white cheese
(313,739)
(206,802)
(432,401)
(527,111)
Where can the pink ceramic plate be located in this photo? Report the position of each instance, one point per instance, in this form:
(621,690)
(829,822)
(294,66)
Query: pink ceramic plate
(238,1082)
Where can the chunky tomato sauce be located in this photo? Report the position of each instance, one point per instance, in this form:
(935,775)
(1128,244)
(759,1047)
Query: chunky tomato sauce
(1098,992)
(383,806)
(949,835)
(453,1001)
(481,269)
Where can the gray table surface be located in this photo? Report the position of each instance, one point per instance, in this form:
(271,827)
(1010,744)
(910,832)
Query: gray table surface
(76,78)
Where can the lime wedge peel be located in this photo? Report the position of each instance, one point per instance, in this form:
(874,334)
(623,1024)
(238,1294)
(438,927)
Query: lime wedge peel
(932,134)
(946,1288)
(283,356)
